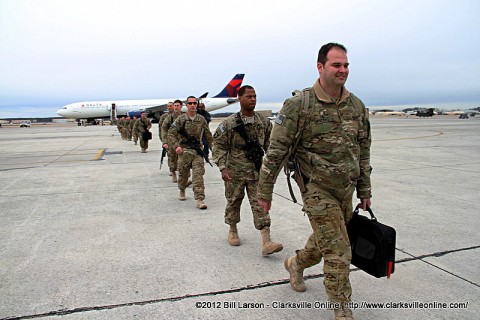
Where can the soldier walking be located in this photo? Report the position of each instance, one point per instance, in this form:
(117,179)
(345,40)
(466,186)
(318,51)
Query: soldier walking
(141,127)
(134,135)
(239,144)
(185,136)
(163,117)
(167,123)
(333,154)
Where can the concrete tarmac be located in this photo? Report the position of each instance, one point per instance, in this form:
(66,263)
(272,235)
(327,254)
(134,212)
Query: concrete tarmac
(90,228)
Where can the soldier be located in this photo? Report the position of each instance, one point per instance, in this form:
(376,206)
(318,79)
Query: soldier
(120,124)
(167,123)
(185,135)
(201,111)
(162,118)
(134,133)
(239,144)
(130,130)
(126,129)
(142,126)
(333,153)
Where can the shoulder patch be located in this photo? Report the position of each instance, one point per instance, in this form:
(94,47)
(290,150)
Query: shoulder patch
(221,128)
(279,119)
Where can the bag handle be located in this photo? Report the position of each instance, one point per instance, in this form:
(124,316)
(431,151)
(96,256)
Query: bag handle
(357,209)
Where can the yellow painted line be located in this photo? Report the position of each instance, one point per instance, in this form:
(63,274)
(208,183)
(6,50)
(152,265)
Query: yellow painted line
(438,133)
(99,154)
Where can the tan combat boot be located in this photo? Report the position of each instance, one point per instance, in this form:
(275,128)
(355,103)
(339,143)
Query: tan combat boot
(201,204)
(268,246)
(233,238)
(182,196)
(296,274)
(343,314)
(174,177)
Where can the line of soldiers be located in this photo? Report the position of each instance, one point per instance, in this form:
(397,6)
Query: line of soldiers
(136,130)
(324,129)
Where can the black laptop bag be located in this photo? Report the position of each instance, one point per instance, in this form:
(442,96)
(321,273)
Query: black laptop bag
(373,244)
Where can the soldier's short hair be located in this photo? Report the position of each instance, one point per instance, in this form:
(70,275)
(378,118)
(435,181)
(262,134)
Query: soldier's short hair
(322,53)
(242,90)
(189,97)
(178,101)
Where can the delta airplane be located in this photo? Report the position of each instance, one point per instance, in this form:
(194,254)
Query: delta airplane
(92,110)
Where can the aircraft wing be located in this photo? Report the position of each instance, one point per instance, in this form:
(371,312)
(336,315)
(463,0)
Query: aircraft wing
(160,108)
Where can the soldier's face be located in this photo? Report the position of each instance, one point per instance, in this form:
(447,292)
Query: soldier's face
(177,107)
(335,71)
(170,107)
(192,104)
(249,100)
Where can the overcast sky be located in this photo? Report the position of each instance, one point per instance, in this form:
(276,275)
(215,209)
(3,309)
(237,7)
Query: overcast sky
(401,52)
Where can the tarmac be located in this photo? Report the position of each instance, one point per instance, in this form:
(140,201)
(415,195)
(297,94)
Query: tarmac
(90,228)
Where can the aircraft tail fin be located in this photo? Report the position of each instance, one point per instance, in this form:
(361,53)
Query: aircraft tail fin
(231,90)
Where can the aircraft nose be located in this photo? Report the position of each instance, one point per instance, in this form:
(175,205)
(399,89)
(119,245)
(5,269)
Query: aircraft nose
(62,112)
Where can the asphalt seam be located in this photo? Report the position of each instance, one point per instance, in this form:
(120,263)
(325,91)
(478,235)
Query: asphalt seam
(63,312)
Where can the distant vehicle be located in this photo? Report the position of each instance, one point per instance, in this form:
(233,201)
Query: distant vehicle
(425,112)
(25,125)
(463,116)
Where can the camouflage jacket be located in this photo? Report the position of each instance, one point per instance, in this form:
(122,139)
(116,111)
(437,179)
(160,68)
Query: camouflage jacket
(166,124)
(333,150)
(227,150)
(141,125)
(195,128)
(160,122)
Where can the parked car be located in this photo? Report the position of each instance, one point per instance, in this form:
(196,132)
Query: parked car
(25,125)
(463,116)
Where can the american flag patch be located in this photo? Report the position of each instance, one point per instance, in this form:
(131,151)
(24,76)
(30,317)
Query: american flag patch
(279,119)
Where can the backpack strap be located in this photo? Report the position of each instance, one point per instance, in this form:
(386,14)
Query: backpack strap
(291,165)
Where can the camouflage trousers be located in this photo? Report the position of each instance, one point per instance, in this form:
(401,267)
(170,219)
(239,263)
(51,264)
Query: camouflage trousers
(143,143)
(135,137)
(235,192)
(328,217)
(172,158)
(187,160)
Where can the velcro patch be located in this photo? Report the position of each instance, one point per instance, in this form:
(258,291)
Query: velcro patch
(279,119)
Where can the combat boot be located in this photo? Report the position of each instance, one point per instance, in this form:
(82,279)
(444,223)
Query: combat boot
(268,246)
(201,204)
(182,196)
(233,238)
(343,314)
(296,274)
(143,150)
(174,177)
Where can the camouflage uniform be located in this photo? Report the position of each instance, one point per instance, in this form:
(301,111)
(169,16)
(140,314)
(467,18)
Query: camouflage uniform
(189,159)
(130,129)
(334,155)
(140,126)
(134,133)
(172,155)
(124,129)
(160,122)
(228,154)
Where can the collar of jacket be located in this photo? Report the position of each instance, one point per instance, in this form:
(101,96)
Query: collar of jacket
(323,96)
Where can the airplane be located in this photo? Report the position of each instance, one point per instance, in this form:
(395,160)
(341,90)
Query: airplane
(93,110)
